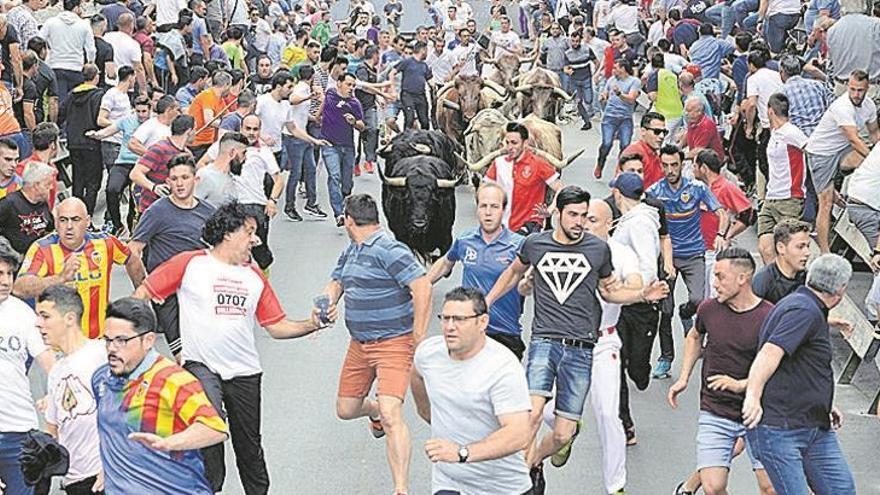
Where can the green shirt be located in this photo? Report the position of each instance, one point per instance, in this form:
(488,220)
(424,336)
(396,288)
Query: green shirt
(235,53)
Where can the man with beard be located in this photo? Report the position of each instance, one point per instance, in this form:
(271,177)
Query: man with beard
(222,297)
(132,364)
(574,268)
(261,83)
(216,185)
(726,336)
(273,108)
(835,145)
(172,225)
(485,253)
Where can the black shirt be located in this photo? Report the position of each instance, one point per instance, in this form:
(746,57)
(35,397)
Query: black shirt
(47,87)
(103,54)
(261,85)
(366,74)
(168,229)
(770,284)
(23,222)
(801,390)
(30,96)
(11,38)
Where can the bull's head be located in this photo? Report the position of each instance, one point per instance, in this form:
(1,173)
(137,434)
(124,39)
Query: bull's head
(421,190)
(468,88)
(542,99)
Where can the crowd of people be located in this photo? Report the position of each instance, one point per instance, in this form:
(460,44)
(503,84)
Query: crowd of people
(191,124)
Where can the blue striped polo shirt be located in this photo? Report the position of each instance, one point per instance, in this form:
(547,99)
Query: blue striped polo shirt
(375,278)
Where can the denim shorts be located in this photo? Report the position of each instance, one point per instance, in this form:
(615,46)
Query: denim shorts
(569,367)
(716,437)
(392,109)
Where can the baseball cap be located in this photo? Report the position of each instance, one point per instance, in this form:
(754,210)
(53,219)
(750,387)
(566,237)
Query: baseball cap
(629,184)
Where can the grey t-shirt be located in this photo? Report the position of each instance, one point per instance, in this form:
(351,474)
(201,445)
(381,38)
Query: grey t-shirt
(566,279)
(168,229)
(214,186)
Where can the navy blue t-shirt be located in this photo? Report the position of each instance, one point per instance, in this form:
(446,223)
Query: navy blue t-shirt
(800,392)
(415,74)
(168,229)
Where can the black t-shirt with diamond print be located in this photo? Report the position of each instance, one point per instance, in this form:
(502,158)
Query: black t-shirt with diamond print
(566,279)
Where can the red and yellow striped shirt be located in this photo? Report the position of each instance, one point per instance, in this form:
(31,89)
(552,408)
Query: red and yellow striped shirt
(10,186)
(97,255)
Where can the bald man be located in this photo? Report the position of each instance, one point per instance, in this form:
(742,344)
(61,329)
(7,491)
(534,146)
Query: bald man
(78,258)
(605,385)
(702,133)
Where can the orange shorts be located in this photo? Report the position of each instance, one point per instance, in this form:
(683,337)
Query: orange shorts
(389,361)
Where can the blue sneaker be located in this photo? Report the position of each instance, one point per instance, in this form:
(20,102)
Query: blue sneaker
(661,369)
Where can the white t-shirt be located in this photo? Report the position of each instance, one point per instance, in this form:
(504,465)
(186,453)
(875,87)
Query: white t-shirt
(505,42)
(19,340)
(73,409)
(828,139)
(865,181)
(464,11)
(214,186)
(249,185)
(274,115)
(600,13)
(763,83)
(625,18)
(468,56)
(118,107)
(783,7)
(785,160)
(151,132)
(466,399)
(167,11)
(220,307)
(299,113)
(126,51)
(441,65)
(626,263)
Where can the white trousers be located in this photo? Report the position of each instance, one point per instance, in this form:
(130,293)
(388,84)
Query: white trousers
(605,400)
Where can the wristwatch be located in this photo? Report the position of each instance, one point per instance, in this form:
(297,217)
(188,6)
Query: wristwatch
(463,454)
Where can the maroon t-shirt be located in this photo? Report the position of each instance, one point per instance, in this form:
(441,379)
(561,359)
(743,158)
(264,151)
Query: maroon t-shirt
(731,346)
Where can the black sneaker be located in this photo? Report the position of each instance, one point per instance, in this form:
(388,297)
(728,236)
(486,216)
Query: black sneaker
(679,490)
(587,126)
(315,211)
(293,216)
(538,483)
(340,221)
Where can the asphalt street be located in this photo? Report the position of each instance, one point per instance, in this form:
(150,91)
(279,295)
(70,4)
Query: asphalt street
(309,451)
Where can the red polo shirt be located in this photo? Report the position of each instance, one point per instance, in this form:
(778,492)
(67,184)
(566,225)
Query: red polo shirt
(525,182)
(653,170)
(732,200)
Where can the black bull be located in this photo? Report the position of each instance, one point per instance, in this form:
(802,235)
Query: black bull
(418,190)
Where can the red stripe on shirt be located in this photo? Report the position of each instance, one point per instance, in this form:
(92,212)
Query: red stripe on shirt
(796,170)
(153,398)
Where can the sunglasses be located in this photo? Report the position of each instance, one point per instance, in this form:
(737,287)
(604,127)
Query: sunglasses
(657,132)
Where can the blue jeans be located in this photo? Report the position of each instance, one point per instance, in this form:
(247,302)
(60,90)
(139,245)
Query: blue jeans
(339,161)
(370,134)
(716,14)
(775,28)
(570,367)
(565,80)
(583,93)
(736,14)
(300,161)
(619,127)
(10,469)
(67,80)
(798,458)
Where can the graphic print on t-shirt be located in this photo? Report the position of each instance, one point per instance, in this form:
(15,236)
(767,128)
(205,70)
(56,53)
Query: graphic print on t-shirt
(231,296)
(563,272)
(76,399)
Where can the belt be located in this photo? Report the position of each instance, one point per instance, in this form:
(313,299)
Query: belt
(583,344)
(607,331)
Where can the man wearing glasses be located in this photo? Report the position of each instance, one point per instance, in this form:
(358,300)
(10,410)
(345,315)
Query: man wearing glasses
(653,133)
(477,438)
(134,390)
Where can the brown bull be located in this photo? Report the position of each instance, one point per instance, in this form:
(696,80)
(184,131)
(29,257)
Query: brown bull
(484,140)
(460,100)
(540,92)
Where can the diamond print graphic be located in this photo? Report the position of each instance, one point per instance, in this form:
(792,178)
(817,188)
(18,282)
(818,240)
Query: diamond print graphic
(563,272)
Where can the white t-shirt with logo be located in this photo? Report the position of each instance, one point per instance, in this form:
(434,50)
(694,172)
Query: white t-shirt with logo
(828,138)
(73,409)
(220,307)
(466,399)
(19,341)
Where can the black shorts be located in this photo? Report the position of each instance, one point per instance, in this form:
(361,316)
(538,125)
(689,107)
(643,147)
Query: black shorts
(168,316)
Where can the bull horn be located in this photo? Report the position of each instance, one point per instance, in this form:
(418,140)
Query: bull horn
(495,87)
(445,88)
(469,129)
(562,94)
(573,157)
(450,104)
(391,181)
(523,88)
(552,160)
(446,183)
(421,148)
(485,161)
(532,59)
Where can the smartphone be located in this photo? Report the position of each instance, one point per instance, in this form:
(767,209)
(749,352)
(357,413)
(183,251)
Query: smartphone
(322,302)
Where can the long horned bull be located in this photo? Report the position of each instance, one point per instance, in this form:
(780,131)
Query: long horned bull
(556,90)
(401,181)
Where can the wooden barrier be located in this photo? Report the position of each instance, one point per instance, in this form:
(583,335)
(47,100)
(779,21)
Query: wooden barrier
(864,339)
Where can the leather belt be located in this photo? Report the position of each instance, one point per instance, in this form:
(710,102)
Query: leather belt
(583,344)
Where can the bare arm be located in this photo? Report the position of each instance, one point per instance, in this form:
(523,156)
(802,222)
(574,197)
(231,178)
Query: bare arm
(513,436)
(693,350)
(103,119)
(763,367)
(30,118)
(53,109)
(420,396)
(140,75)
(134,267)
(874,131)
(104,133)
(441,268)
(749,107)
(289,329)
(15,57)
(507,281)
(31,286)
(138,176)
(421,294)
(136,146)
